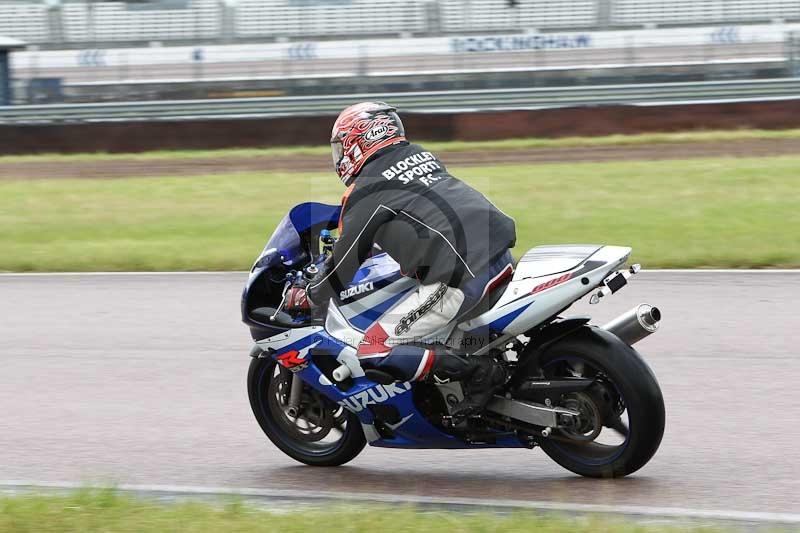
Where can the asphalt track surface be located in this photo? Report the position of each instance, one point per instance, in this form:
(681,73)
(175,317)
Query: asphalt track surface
(141,379)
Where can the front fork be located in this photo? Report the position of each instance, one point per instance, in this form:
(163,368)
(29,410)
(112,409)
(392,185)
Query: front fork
(295,393)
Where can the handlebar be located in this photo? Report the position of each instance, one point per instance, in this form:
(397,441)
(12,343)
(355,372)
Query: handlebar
(300,278)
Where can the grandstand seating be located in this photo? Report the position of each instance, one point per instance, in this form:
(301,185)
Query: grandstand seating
(360,17)
(26,21)
(672,12)
(111,21)
(496,15)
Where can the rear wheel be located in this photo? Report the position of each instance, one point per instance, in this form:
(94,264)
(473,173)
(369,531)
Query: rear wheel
(316,431)
(621,420)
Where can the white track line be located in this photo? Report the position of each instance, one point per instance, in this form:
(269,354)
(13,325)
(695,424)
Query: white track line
(722,271)
(244,272)
(303,495)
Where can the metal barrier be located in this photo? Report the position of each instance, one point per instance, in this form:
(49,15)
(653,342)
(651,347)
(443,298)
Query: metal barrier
(425,102)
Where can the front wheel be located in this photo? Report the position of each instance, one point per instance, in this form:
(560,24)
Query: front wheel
(621,420)
(315,431)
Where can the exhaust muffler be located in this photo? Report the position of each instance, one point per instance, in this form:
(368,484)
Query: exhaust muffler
(636,324)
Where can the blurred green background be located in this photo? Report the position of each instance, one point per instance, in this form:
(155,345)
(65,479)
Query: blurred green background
(719,212)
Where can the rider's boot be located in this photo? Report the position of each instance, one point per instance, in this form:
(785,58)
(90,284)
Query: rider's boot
(480,376)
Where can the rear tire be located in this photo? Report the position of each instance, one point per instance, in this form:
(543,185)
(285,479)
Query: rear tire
(634,382)
(262,382)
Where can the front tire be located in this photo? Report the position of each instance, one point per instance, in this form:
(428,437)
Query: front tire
(321,434)
(629,391)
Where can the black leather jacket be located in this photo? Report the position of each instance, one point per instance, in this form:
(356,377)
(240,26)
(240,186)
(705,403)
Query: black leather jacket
(438,228)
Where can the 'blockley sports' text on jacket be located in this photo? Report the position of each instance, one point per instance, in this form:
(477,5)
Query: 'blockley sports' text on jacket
(438,228)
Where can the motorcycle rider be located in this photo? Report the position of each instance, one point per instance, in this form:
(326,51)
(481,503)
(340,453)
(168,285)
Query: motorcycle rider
(401,200)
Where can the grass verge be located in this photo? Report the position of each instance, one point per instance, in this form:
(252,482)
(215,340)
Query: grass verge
(110,512)
(695,213)
(453,146)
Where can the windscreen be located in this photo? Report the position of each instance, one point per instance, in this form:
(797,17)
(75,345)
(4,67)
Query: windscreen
(283,246)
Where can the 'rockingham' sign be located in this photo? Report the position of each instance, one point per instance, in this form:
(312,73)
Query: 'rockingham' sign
(509,43)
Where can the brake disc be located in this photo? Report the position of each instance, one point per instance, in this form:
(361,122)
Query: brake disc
(315,415)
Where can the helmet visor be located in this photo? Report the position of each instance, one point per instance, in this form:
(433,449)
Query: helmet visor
(337,151)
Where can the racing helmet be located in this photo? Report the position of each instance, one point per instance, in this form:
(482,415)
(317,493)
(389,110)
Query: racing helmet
(359,132)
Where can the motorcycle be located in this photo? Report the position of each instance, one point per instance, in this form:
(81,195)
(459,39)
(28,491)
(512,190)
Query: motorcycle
(578,391)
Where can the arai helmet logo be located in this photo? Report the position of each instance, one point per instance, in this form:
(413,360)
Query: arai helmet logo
(378,132)
(377,394)
(355,290)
